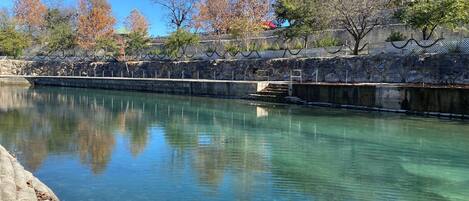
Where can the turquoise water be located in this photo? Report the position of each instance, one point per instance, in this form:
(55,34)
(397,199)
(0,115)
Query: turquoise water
(110,145)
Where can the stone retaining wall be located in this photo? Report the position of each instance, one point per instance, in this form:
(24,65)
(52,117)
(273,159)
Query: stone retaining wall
(436,69)
(18,184)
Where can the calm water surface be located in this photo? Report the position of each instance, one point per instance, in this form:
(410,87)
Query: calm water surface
(108,145)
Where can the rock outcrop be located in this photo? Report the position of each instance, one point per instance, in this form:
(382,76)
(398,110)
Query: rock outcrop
(16,183)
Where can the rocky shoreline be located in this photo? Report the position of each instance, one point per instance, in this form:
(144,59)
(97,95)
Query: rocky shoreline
(16,183)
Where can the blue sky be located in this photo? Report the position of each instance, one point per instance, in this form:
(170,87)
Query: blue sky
(121,9)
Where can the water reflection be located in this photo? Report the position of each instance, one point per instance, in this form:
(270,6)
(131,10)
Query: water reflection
(235,150)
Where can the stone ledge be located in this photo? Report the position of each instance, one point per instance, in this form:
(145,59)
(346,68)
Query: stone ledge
(16,183)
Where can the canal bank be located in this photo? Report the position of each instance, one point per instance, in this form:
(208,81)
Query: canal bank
(434,100)
(16,183)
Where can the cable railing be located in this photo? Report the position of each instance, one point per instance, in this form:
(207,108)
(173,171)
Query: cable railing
(411,46)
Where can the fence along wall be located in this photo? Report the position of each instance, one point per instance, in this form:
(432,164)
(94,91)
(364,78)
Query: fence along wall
(433,69)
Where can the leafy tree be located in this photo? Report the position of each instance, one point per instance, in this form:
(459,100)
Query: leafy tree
(137,40)
(247,18)
(179,40)
(12,42)
(303,16)
(240,18)
(61,33)
(61,38)
(427,15)
(136,22)
(214,16)
(95,24)
(109,45)
(30,14)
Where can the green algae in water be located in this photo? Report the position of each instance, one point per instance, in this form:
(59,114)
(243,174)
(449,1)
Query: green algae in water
(110,145)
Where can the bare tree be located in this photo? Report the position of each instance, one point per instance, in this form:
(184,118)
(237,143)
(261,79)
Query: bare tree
(359,18)
(179,12)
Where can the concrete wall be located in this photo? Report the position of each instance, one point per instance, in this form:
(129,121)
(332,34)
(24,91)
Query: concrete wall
(225,89)
(399,98)
(13,80)
(437,69)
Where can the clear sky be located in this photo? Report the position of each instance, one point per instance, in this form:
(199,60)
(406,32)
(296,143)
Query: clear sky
(121,9)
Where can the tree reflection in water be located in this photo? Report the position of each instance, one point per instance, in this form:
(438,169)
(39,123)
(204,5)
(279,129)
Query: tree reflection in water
(302,153)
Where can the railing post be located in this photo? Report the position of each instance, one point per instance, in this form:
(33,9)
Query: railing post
(232,75)
(317,73)
(214,75)
(346,76)
(122,73)
(301,76)
(143,74)
(132,74)
(169,74)
(182,74)
(103,73)
(198,75)
(112,73)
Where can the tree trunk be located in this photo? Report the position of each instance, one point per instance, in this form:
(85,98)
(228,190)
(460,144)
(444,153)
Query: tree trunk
(306,42)
(356,47)
(425,34)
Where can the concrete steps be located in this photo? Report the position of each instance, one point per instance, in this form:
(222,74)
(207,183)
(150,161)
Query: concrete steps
(272,93)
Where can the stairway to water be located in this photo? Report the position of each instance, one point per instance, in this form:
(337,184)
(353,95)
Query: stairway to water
(272,93)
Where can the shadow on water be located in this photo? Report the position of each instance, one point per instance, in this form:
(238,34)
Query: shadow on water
(233,149)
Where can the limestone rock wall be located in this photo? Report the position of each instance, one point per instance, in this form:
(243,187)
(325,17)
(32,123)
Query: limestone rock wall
(436,69)
(18,184)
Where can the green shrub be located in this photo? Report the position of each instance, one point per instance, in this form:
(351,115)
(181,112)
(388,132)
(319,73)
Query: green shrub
(155,52)
(328,41)
(395,36)
(251,47)
(263,46)
(178,40)
(275,47)
(297,44)
(232,48)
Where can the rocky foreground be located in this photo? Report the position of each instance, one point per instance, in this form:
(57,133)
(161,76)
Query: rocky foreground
(18,184)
